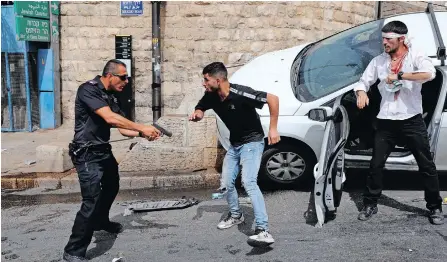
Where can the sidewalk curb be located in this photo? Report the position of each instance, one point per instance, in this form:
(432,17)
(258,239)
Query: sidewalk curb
(128,180)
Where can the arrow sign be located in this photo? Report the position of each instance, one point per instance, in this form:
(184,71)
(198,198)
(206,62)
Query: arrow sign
(55,8)
(54,28)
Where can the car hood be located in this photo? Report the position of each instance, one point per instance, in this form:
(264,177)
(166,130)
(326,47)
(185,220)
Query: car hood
(271,73)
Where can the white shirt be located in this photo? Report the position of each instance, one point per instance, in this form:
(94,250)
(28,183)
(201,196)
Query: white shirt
(409,100)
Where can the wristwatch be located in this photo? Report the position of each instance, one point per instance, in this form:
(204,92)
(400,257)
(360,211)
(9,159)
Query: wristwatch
(399,75)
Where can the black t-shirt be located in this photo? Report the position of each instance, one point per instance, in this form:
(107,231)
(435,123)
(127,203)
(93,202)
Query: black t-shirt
(238,112)
(90,127)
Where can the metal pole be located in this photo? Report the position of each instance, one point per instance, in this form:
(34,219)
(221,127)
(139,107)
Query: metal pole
(9,89)
(55,47)
(378,9)
(156,61)
(28,93)
(441,50)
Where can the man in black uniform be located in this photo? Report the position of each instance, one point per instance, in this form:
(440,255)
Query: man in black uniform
(236,106)
(96,111)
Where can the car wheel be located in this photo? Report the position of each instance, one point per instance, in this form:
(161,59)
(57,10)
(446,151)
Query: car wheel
(287,164)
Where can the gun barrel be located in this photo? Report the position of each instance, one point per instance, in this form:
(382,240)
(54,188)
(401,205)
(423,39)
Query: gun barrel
(164,131)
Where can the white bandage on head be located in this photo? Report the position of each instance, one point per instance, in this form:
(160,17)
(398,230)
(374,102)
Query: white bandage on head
(391,35)
(396,35)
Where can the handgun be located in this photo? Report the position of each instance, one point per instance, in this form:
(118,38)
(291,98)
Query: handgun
(162,130)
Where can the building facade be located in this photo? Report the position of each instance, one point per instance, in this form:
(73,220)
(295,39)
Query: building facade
(193,34)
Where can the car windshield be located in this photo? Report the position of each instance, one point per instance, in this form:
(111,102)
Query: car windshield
(335,62)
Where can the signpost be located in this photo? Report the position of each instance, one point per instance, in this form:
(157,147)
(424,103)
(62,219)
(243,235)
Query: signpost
(123,52)
(55,7)
(123,47)
(32,9)
(33,21)
(38,21)
(131,8)
(31,29)
(55,96)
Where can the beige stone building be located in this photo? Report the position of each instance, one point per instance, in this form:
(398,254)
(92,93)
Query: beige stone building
(194,34)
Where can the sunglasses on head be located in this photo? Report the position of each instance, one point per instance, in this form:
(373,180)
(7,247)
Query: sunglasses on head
(122,77)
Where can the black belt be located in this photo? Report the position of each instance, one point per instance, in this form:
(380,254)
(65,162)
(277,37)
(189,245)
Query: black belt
(76,148)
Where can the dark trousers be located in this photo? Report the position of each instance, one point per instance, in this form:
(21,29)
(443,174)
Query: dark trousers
(99,181)
(413,133)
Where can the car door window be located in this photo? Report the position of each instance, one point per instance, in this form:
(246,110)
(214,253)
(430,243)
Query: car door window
(337,61)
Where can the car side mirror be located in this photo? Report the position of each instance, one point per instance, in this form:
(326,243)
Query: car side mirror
(321,114)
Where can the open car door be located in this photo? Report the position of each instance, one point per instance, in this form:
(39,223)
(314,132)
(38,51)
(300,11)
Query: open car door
(329,171)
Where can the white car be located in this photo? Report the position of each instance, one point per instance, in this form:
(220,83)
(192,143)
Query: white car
(320,76)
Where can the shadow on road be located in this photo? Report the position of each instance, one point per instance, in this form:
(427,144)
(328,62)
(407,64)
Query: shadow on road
(354,186)
(256,251)
(135,221)
(247,210)
(104,242)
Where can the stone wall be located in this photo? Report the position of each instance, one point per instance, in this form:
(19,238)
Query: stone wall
(390,8)
(193,35)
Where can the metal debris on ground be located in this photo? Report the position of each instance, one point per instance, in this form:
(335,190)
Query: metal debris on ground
(150,206)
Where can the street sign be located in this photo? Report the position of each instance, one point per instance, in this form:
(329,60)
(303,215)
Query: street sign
(54,6)
(123,52)
(123,47)
(32,29)
(36,9)
(54,28)
(130,8)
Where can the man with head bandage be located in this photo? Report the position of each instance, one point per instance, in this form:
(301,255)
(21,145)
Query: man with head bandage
(401,70)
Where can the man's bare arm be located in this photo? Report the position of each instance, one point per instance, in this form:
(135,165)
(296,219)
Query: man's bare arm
(273,103)
(121,122)
(128,133)
(417,76)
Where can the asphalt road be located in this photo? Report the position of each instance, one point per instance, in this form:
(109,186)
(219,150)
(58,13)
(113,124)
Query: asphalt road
(36,228)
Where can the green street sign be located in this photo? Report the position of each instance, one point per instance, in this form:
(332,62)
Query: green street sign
(31,29)
(54,28)
(54,6)
(38,9)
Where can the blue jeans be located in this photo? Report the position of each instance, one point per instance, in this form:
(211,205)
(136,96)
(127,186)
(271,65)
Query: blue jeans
(249,157)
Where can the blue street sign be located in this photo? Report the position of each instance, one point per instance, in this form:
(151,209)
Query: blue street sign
(131,8)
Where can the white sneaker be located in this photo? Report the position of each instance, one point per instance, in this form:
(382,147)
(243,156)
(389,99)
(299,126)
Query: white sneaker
(230,221)
(261,238)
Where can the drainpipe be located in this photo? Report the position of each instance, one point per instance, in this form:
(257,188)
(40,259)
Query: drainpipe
(378,8)
(156,61)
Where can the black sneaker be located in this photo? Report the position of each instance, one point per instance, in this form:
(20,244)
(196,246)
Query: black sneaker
(111,227)
(367,212)
(71,258)
(436,217)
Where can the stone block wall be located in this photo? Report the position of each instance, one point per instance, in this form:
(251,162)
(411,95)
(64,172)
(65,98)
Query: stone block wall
(193,146)
(390,8)
(193,35)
